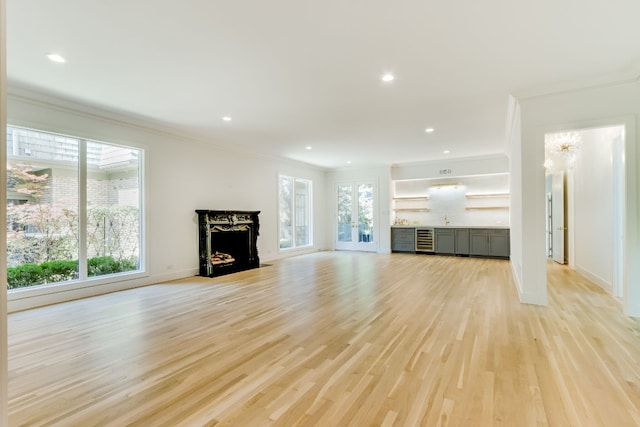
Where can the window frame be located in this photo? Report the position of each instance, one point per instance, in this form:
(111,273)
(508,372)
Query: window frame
(83,280)
(294,213)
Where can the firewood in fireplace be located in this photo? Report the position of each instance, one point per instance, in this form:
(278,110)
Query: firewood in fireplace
(221,258)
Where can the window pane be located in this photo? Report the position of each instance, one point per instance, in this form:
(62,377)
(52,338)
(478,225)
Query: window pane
(365,213)
(113,209)
(42,208)
(294,212)
(43,218)
(286,212)
(302,212)
(345,206)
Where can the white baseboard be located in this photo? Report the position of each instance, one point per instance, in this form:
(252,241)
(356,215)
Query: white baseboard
(527,297)
(24,299)
(604,284)
(633,311)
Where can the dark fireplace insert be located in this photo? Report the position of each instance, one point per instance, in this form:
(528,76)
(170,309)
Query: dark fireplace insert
(228,241)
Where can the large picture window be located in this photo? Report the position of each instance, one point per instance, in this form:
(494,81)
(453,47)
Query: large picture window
(73,208)
(295,212)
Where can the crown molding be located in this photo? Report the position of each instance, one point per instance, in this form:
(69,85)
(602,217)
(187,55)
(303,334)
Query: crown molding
(56,102)
(613,79)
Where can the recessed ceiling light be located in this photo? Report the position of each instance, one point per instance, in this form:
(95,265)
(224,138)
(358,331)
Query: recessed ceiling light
(226,118)
(348,162)
(446,152)
(388,77)
(55,57)
(308,147)
(429,130)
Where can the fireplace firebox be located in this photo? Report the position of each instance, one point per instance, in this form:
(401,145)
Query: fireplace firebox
(228,241)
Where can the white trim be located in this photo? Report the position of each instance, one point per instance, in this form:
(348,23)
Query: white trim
(82,208)
(133,122)
(71,285)
(631,247)
(51,293)
(107,285)
(4,368)
(532,298)
(309,212)
(356,245)
(289,253)
(579,85)
(527,297)
(594,278)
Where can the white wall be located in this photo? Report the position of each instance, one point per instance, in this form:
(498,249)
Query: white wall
(616,104)
(182,175)
(455,202)
(593,207)
(444,168)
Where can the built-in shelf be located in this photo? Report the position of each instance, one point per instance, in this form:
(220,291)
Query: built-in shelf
(487,207)
(486,195)
(411,203)
(488,201)
(411,198)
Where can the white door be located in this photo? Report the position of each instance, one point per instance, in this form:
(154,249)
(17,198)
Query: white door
(355,208)
(557,217)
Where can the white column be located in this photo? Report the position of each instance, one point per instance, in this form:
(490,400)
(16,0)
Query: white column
(533,279)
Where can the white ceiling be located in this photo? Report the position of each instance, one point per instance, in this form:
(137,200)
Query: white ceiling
(293,73)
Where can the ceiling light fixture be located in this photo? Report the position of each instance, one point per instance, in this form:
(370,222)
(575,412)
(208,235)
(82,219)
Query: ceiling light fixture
(308,147)
(348,162)
(226,118)
(388,77)
(429,130)
(446,152)
(561,150)
(54,57)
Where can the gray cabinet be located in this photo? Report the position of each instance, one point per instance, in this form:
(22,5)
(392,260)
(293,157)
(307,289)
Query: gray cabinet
(403,239)
(445,241)
(452,241)
(479,242)
(499,243)
(462,241)
(489,242)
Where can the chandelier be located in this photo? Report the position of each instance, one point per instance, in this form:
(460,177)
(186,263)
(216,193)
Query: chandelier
(560,150)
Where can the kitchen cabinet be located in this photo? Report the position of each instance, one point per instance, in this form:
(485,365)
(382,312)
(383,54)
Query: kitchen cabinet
(489,242)
(452,241)
(403,239)
(462,241)
(445,241)
(478,242)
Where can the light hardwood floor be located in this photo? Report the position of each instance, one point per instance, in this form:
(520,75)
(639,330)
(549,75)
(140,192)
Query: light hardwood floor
(331,339)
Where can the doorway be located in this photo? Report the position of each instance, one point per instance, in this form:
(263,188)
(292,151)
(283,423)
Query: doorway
(585,208)
(356,221)
(556,225)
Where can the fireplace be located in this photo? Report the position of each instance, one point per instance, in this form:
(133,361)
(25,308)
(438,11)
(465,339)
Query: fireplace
(228,241)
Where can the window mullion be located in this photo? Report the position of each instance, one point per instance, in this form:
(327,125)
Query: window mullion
(82,209)
(292,203)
